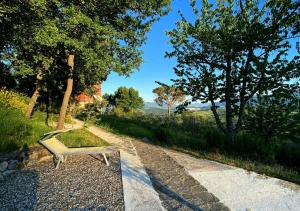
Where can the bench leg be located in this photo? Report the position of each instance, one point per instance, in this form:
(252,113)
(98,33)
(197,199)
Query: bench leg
(58,162)
(106,161)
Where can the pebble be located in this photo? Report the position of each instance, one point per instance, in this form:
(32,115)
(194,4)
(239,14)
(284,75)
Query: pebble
(12,164)
(82,183)
(8,172)
(3,165)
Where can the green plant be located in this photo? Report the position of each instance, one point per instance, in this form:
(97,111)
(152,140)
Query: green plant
(274,114)
(13,99)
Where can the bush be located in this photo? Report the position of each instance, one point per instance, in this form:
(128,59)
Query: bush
(12,99)
(213,137)
(289,154)
(163,135)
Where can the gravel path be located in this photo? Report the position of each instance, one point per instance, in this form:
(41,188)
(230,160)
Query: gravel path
(83,182)
(177,189)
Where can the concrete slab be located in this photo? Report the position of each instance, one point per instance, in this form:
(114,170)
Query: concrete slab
(240,189)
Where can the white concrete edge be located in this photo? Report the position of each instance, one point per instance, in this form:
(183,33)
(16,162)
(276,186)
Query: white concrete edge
(139,193)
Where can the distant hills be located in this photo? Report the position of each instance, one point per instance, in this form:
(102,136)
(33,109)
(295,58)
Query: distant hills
(152,107)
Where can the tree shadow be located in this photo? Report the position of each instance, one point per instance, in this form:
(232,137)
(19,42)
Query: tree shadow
(139,175)
(164,190)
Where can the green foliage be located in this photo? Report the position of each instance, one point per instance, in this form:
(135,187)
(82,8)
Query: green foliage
(103,35)
(274,114)
(81,138)
(168,95)
(125,100)
(92,110)
(12,99)
(233,50)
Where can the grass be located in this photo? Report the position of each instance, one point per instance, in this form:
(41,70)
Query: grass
(17,131)
(124,126)
(203,146)
(81,138)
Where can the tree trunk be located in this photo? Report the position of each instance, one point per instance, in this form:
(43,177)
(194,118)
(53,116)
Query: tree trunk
(169,112)
(228,101)
(34,96)
(68,92)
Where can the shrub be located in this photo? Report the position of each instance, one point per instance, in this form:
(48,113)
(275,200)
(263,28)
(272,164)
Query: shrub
(12,99)
(289,153)
(213,137)
(163,135)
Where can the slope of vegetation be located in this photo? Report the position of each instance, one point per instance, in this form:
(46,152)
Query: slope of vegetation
(16,130)
(196,134)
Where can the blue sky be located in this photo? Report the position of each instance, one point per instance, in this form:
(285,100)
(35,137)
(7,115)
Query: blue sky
(155,66)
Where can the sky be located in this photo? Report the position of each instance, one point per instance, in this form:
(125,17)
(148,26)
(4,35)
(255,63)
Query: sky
(155,66)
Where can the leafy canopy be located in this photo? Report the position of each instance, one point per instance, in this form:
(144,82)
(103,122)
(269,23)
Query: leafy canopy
(126,99)
(105,36)
(233,50)
(168,95)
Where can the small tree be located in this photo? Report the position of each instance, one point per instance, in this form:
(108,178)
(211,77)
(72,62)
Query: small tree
(125,99)
(233,50)
(168,95)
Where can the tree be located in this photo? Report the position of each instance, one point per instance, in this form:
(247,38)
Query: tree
(98,36)
(168,95)
(25,58)
(233,50)
(274,114)
(125,99)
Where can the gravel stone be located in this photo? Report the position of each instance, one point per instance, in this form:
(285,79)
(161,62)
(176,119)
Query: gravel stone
(8,172)
(176,188)
(82,183)
(3,165)
(1,177)
(12,164)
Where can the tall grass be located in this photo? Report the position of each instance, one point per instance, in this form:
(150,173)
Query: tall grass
(16,130)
